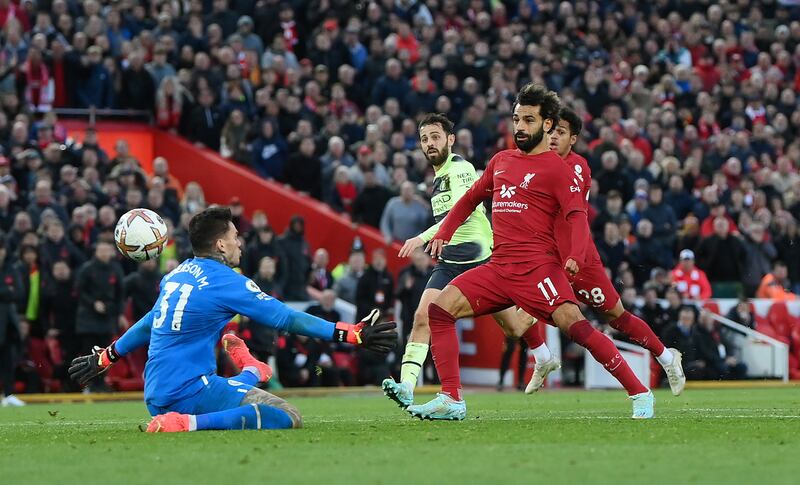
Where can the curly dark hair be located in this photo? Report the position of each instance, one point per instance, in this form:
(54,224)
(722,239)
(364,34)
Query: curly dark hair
(537,95)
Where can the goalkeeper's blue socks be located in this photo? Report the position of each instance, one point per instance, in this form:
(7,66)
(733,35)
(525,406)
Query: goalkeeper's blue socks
(249,416)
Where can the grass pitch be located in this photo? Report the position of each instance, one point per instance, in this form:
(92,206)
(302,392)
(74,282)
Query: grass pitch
(705,436)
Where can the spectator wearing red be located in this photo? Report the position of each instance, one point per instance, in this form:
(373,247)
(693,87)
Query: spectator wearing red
(607,141)
(633,132)
(732,170)
(407,45)
(690,281)
(708,72)
(422,97)
(344,191)
(717,210)
(238,217)
(289,27)
(36,82)
(741,73)
(169,104)
(10,11)
(339,102)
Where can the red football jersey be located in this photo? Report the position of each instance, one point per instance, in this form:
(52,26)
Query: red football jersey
(693,285)
(583,174)
(528,193)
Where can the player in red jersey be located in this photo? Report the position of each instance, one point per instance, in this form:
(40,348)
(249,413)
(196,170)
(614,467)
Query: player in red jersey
(591,284)
(530,187)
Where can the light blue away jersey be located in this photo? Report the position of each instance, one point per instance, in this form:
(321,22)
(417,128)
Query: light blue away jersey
(197,300)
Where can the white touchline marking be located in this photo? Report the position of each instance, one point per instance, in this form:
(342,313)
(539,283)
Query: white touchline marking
(69,423)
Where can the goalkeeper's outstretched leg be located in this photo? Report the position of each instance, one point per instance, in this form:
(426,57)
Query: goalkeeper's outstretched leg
(229,403)
(258,410)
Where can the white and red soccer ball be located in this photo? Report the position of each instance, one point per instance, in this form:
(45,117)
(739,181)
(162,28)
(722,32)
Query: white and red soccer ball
(140,235)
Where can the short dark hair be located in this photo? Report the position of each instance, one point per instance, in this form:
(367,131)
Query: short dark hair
(208,226)
(437,118)
(573,120)
(537,95)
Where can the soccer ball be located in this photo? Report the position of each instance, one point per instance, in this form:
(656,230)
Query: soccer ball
(140,235)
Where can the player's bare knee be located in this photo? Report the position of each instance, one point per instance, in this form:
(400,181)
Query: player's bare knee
(453,302)
(294,415)
(421,318)
(567,314)
(615,312)
(516,331)
(522,322)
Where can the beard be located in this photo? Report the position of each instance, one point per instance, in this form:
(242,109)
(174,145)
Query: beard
(438,157)
(530,142)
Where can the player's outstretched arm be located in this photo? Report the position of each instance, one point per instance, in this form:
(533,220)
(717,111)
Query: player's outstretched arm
(136,336)
(247,299)
(86,367)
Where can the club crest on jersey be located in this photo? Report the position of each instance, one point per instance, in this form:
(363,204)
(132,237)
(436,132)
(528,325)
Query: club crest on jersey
(528,178)
(579,172)
(252,286)
(508,192)
(576,187)
(441,184)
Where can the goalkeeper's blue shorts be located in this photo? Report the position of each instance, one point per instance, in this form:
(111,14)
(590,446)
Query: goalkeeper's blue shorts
(217,394)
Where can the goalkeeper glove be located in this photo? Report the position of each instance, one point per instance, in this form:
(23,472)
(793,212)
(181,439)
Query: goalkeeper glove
(378,337)
(86,367)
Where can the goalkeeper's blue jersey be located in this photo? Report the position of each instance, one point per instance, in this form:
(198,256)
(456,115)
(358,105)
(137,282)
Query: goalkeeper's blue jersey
(196,301)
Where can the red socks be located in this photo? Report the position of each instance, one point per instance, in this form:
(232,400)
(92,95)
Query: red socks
(532,337)
(444,348)
(604,351)
(640,332)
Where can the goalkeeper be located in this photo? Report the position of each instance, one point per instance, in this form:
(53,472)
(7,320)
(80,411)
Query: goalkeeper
(470,246)
(182,391)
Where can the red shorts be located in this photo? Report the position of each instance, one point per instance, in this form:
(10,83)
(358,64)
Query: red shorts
(592,287)
(539,291)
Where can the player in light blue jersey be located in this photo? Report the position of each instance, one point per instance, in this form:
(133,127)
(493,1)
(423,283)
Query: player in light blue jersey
(198,298)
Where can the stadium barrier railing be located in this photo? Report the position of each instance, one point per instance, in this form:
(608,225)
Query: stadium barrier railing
(765,356)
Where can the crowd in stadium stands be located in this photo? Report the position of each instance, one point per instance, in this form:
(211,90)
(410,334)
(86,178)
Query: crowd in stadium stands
(691,124)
